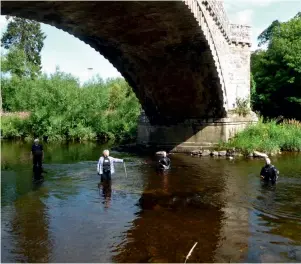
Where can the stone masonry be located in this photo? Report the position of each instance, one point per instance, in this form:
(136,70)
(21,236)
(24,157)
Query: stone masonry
(186,63)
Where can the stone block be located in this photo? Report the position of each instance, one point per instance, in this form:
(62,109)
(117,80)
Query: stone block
(258,154)
(222,153)
(205,152)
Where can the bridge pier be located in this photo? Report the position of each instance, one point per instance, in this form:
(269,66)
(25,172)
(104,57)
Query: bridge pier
(191,134)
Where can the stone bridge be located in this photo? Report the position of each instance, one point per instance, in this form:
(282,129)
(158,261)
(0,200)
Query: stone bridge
(186,63)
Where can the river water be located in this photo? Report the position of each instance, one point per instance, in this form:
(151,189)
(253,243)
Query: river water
(219,203)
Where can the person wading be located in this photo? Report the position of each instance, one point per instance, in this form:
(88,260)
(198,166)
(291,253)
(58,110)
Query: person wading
(164,162)
(105,166)
(37,154)
(269,172)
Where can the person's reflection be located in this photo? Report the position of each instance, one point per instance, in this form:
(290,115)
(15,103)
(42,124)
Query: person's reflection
(164,175)
(106,192)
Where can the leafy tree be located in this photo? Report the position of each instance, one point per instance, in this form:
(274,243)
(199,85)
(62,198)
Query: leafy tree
(266,35)
(277,71)
(26,36)
(15,63)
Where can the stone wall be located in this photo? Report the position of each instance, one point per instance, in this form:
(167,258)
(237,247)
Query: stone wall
(230,48)
(192,134)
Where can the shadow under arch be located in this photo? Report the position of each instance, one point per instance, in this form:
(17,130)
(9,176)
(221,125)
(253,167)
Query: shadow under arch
(165,59)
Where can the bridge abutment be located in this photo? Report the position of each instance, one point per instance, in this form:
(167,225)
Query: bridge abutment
(192,134)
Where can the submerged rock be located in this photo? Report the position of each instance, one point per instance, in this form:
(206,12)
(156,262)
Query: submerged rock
(154,201)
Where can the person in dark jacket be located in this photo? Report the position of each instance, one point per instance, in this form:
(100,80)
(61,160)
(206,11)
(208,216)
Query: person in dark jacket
(37,154)
(269,172)
(164,162)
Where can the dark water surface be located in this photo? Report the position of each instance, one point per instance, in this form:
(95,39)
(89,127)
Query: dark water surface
(218,203)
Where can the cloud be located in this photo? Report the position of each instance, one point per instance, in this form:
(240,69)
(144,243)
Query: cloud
(3,23)
(254,3)
(243,17)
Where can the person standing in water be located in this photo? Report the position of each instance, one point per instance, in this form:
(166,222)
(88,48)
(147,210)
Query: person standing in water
(37,154)
(269,172)
(164,161)
(105,166)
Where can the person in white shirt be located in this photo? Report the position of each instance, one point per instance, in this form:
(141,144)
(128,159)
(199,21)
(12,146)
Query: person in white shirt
(105,166)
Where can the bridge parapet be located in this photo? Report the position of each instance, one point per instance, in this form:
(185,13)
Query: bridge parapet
(216,9)
(233,33)
(240,34)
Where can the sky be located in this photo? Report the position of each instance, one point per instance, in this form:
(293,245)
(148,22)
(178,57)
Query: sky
(75,57)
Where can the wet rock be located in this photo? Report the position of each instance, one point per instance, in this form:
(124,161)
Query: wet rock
(250,155)
(258,154)
(195,152)
(222,153)
(205,152)
(214,153)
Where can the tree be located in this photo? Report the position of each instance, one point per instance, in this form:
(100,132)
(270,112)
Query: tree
(25,35)
(15,63)
(265,36)
(277,71)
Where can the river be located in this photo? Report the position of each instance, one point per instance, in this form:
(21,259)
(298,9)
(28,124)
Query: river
(219,203)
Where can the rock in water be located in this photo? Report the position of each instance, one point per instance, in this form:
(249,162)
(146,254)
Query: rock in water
(222,153)
(195,152)
(205,152)
(214,153)
(259,154)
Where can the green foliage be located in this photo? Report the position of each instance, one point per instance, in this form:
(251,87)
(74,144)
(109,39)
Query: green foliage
(15,63)
(63,110)
(277,71)
(242,106)
(268,137)
(24,40)
(267,34)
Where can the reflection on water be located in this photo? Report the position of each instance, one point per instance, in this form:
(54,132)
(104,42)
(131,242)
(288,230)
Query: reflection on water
(147,216)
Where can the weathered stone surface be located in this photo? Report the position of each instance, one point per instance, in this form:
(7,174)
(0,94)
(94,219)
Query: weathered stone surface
(222,153)
(205,152)
(258,154)
(214,153)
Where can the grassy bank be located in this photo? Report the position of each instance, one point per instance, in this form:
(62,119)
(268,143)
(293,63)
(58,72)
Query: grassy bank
(267,137)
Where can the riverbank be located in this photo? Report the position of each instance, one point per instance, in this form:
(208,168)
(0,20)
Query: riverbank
(260,140)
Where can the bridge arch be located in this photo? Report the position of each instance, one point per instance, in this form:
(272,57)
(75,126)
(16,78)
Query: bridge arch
(165,50)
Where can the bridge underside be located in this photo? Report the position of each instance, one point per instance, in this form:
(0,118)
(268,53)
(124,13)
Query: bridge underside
(157,46)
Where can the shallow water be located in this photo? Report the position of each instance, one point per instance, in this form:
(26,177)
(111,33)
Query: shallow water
(220,204)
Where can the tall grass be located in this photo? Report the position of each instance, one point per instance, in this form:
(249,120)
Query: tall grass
(268,137)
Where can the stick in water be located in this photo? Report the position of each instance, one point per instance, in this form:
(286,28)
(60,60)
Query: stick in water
(189,253)
(126,175)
